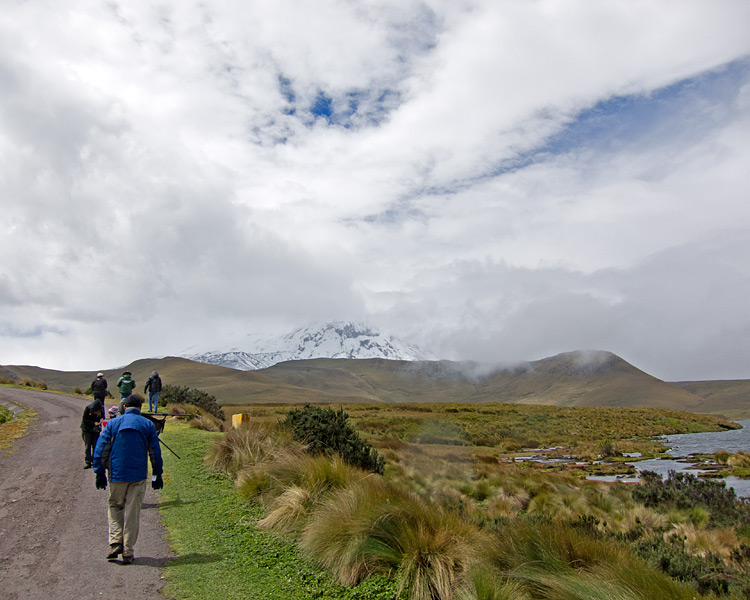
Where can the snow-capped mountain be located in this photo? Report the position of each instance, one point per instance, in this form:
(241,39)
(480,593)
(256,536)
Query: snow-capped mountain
(330,340)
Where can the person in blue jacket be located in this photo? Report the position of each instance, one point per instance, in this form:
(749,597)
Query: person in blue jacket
(124,449)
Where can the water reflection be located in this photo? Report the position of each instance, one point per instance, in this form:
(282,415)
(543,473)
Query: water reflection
(685,444)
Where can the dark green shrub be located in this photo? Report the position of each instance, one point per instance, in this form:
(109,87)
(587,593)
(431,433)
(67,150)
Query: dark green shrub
(325,430)
(5,415)
(174,394)
(34,384)
(685,491)
(707,573)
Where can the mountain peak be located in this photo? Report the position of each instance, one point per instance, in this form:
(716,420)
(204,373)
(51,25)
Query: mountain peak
(338,339)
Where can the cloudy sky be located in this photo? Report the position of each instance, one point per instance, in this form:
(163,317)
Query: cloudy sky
(495,180)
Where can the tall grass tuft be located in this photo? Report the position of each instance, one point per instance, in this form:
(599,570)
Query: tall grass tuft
(337,535)
(553,560)
(484,584)
(371,527)
(298,483)
(207,423)
(247,446)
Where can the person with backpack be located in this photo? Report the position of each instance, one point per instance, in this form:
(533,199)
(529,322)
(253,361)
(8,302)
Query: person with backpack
(153,387)
(125,447)
(99,388)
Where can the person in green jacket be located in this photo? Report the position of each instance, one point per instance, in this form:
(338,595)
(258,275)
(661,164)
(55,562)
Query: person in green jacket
(126,385)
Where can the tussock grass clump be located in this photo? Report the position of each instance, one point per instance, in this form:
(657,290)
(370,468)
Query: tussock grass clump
(247,446)
(740,459)
(483,584)
(552,560)
(374,527)
(703,542)
(207,423)
(297,484)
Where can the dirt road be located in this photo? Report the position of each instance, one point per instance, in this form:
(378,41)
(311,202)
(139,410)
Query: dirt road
(53,521)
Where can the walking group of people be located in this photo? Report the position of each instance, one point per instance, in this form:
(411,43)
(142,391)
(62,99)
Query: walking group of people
(122,447)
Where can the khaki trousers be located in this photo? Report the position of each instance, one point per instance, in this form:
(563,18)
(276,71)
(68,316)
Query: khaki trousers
(125,499)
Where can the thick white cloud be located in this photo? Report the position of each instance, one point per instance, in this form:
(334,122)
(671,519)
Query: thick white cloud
(499,180)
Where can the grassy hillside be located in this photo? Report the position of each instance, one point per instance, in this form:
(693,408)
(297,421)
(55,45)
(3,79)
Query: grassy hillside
(228,385)
(730,397)
(571,379)
(563,380)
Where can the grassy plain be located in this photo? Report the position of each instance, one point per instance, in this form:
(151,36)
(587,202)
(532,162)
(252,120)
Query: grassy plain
(449,521)
(221,552)
(505,432)
(451,513)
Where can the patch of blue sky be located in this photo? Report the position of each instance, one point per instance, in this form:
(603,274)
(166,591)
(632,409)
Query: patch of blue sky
(355,108)
(622,120)
(351,109)
(689,107)
(287,92)
(684,109)
(322,106)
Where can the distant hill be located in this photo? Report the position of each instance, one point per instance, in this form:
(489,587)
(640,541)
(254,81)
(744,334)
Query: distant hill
(228,385)
(570,379)
(728,397)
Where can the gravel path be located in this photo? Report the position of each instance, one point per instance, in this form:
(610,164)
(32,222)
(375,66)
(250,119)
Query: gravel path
(53,521)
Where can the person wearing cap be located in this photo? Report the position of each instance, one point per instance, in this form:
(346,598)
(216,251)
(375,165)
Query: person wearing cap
(91,426)
(111,414)
(125,447)
(99,388)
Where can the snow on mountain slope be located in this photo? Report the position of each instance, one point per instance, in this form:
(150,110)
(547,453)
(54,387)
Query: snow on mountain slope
(329,340)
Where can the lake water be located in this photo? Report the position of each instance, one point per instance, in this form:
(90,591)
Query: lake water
(683,445)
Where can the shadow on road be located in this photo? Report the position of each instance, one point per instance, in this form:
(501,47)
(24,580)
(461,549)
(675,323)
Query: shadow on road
(146,561)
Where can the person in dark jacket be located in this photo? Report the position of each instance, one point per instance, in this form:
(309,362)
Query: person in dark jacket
(99,388)
(153,387)
(124,449)
(90,428)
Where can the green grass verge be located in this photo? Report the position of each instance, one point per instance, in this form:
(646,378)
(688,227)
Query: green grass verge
(221,553)
(15,428)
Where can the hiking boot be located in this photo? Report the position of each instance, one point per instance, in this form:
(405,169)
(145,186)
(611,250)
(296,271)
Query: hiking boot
(86,466)
(127,560)
(114,551)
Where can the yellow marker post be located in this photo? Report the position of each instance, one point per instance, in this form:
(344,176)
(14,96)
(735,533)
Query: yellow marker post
(240,418)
